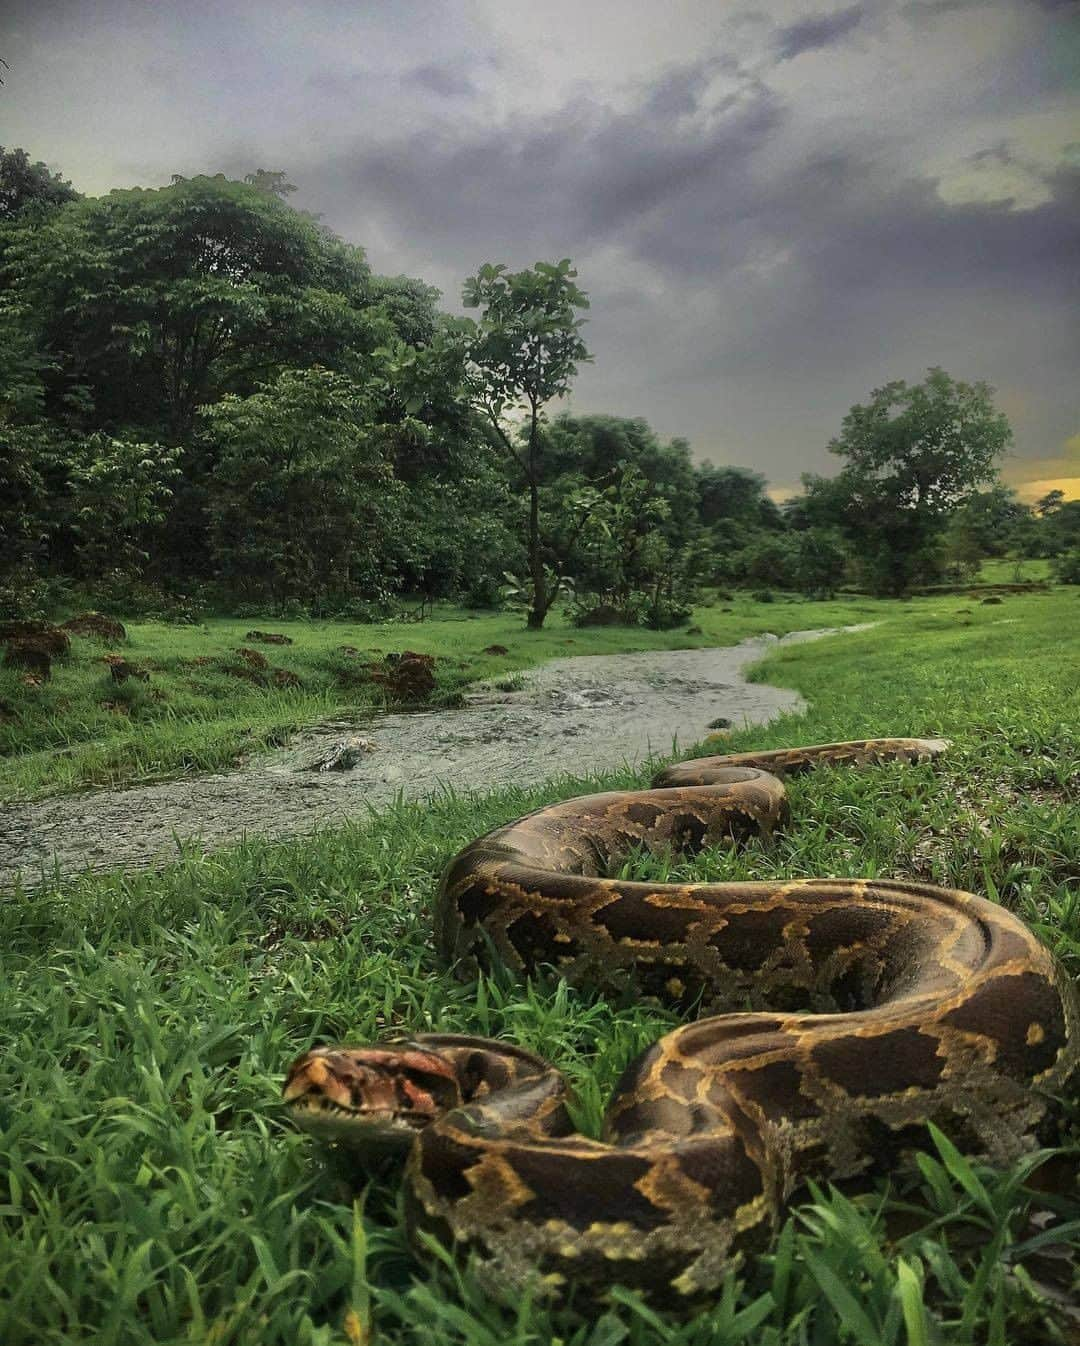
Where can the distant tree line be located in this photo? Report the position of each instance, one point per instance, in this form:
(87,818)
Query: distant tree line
(208,399)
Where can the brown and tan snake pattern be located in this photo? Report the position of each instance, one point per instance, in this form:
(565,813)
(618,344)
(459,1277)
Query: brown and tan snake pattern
(845,1014)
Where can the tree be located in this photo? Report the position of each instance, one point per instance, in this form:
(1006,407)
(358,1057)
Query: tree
(989,523)
(1049,503)
(622,519)
(156,303)
(733,494)
(523,352)
(597,449)
(303,503)
(118,488)
(913,454)
(270,181)
(821,561)
(27,187)
(1062,528)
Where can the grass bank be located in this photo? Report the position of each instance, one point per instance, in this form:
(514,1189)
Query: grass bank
(194,714)
(151,1193)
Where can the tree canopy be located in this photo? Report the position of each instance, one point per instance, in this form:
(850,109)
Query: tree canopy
(203,391)
(912,455)
(29,188)
(521,354)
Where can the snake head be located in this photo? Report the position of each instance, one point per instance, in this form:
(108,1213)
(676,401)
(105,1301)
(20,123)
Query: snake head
(373,1099)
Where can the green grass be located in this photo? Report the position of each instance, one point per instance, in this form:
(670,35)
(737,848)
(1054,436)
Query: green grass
(999,570)
(150,1191)
(80,730)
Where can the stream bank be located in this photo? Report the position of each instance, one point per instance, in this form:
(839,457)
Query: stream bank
(570,716)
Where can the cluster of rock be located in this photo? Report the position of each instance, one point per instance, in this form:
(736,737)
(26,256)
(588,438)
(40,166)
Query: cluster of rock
(253,666)
(268,638)
(407,678)
(31,646)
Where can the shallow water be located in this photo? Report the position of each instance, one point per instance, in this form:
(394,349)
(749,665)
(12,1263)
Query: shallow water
(570,716)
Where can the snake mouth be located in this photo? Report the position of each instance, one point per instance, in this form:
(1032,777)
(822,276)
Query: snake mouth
(372,1099)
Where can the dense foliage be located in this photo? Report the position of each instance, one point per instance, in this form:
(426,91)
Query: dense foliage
(209,400)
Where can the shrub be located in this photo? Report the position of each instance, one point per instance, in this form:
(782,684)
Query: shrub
(483,591)
(1066,567)
(666,611)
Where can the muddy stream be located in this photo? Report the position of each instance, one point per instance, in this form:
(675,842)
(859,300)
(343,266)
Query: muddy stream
(570,716)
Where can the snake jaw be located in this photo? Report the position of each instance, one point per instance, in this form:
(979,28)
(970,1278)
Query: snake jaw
(369,1098)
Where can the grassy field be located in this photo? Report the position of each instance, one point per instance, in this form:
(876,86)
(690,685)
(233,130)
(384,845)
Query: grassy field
(151,1192)
(81,729)
(999,570)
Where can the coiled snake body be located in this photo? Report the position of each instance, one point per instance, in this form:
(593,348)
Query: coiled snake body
(862,1010)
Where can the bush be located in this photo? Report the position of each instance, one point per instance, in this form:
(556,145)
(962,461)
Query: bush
(592,611)
(820,562)
(26,596)
(484,591)
(763,596)
(1066,567)
(665,612)
(366,611)
(773,560)
(657,612)
(123,591)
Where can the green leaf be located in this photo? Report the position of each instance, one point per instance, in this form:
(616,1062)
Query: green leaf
(910,1289)
(846,1306)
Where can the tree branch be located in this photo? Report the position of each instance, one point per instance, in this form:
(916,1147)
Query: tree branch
(507,445)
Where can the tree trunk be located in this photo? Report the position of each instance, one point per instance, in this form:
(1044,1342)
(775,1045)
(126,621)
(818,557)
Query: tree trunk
(541,602)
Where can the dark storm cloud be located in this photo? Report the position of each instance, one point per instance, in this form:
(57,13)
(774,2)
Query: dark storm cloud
(575,178)
(918,7)
(681,193)
(764,238)
(837,270)
(821,30)
(440,79)
(904,254)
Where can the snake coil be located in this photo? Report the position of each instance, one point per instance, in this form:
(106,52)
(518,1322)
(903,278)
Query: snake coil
(844,1015)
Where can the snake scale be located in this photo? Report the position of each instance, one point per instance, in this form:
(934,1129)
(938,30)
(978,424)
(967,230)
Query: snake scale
(843,1016)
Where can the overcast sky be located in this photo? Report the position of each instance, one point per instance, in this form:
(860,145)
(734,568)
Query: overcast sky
(774,207)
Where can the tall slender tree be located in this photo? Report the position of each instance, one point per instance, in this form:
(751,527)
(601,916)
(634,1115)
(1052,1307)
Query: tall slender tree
(523,353)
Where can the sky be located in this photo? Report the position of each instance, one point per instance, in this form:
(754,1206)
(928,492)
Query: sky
(774,207)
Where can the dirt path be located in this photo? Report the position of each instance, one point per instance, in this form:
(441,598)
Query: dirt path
(572,715)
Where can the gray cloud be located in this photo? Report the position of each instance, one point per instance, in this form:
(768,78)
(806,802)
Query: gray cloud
(584,175)
(442,80)
(821,30)
(731,304)
(764,239)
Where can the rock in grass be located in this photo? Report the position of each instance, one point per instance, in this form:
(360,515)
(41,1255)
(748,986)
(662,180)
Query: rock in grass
(408,677)
(250,659)
(97,625)
(32,658)
(122,669)
(268,638)
(51,639)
